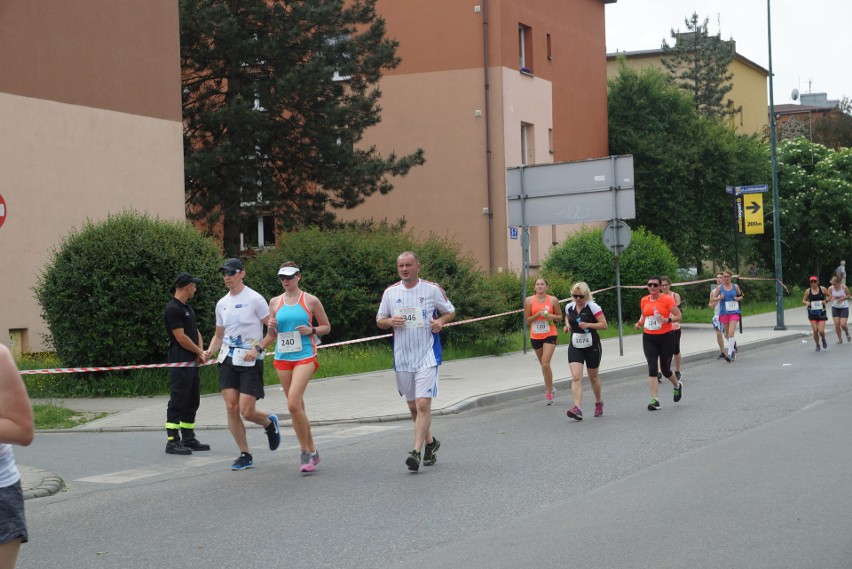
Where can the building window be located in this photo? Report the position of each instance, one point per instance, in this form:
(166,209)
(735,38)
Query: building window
(527,144)
(525,50)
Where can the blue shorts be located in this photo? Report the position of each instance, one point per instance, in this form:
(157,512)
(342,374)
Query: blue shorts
(12,523)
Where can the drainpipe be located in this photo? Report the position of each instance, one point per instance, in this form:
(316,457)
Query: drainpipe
(490,182)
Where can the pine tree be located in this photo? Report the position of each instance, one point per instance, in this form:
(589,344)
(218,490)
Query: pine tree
(276,97)
(700,64)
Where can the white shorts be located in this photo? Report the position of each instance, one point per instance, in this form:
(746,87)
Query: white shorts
(717,324)
(418,384)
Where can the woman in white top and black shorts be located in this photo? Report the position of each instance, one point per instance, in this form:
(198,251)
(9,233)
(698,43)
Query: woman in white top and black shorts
(840,308)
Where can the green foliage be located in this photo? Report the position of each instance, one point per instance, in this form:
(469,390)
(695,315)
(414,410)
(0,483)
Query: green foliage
(103,292)
(700,64)
(682,163)
(815,195)
(584,256)
(348,269)
(276,98)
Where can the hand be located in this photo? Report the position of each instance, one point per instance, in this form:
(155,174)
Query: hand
(582,325)
(206,355)
(638,325)
(437,326)
(304,330)
(251,355)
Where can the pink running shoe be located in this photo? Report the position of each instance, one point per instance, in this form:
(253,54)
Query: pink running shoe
(549,397)
(598,408)
(307,462)
(575,413)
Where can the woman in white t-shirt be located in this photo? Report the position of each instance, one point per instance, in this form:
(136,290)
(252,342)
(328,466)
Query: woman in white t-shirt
(840,308)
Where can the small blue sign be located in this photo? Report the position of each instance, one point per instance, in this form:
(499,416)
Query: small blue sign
(740,190)
(513,233)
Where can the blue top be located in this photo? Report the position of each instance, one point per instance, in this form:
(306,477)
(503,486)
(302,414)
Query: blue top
(728,296)
(287,318)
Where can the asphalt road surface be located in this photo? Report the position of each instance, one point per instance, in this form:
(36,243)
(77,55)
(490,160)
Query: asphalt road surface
(751,469)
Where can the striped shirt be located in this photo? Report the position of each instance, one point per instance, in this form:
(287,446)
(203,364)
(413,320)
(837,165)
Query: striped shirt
(415,347)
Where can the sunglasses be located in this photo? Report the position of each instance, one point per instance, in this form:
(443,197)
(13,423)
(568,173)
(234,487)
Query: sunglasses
(230,273)
(286,277)
(653,285)
(579,295)
(813,282)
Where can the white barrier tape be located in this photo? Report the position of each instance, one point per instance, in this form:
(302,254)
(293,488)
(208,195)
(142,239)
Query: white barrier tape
(357,340)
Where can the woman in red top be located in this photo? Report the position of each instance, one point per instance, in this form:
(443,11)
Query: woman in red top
(658,313)
(541,310)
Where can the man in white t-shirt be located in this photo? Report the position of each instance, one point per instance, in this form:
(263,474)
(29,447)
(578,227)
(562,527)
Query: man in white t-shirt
(240,317)
(840,271)
(417,310)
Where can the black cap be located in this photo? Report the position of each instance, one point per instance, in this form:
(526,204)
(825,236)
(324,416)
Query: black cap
(233,264)
(184,279)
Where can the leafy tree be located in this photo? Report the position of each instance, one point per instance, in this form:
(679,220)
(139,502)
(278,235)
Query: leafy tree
(815,196)
(682,163)
(276,97)
(700,63)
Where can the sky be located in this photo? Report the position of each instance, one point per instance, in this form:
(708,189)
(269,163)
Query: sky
(811,39)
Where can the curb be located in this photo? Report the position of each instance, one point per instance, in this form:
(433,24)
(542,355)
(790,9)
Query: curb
(37,483)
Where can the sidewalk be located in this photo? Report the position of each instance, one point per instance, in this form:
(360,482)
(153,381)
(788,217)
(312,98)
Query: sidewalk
(464,384)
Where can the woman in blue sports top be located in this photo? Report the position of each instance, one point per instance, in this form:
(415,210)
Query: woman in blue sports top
(291,327)
(729,296)
(815,300)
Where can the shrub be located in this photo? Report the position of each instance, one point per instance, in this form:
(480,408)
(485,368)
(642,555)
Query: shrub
(103,292)
(348,269)
(583,257)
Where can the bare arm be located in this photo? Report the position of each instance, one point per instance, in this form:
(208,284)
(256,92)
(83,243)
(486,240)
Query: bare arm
(187,344)
(16,413)
(215,343)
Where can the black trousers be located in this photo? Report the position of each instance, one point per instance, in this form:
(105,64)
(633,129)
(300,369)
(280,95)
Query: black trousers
(185,394)
(659,346)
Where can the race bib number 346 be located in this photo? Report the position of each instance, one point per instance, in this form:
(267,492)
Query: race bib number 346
(413,317)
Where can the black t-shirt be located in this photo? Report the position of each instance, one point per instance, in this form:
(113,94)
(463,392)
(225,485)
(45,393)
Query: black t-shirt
(180,315)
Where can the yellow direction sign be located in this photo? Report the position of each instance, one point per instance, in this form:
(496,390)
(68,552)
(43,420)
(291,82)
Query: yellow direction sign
(753,213)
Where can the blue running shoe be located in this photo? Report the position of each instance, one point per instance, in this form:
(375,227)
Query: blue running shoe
(272,432)
(243,462)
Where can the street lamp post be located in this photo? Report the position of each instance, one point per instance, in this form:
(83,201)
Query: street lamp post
(776,213)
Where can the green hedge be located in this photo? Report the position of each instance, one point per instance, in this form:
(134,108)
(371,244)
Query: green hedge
(583,257)
(104,289)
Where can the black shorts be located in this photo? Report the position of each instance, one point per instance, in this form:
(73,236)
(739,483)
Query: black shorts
(840,312)
(537,344)
(677,341)
(12,522)
(589,356)
(248,380)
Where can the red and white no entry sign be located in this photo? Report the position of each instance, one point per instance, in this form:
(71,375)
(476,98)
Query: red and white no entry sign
(2,210)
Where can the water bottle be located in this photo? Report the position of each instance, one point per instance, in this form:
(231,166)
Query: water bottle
(586,331)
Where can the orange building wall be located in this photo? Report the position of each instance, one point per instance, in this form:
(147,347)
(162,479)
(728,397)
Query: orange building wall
(435,100)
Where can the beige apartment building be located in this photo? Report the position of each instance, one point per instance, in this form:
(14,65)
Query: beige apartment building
(91,114)
(483,86)
(749,89)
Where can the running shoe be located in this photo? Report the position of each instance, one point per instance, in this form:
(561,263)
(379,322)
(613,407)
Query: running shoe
(272,432)
(575,413)
(677,375)
(430,453)
(599,409)
(678,391)
(736,347)
(413,461)
(848,338)
(721,356)
(727,358)
(824,344)
(817,348)
(549,397)
(307,462)
(659,377)
(243,462)
(315,457)
(654,405)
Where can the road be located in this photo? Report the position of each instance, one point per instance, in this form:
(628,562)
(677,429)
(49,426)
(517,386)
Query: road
(750,469)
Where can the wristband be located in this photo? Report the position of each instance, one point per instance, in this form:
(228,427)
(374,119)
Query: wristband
(314,330)
(258,348)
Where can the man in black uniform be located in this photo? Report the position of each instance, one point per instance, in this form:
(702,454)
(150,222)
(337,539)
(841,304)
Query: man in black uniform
(185,345)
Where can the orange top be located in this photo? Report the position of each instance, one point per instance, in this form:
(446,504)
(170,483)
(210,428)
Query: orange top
(536,306)
(664,305)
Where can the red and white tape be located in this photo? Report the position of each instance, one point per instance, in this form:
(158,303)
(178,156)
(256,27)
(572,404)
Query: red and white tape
(347,342)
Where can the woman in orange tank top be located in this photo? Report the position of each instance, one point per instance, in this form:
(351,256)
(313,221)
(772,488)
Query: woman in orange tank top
(541,310)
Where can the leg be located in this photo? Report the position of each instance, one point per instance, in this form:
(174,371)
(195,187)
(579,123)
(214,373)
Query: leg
(295,383)
(815,331)
(837,329)
(652,356)
(577,382)
(9,553)
(845,327)
(730,333)
(544,358)
(595,381)
(720,339)
(421,412)
(235,423)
